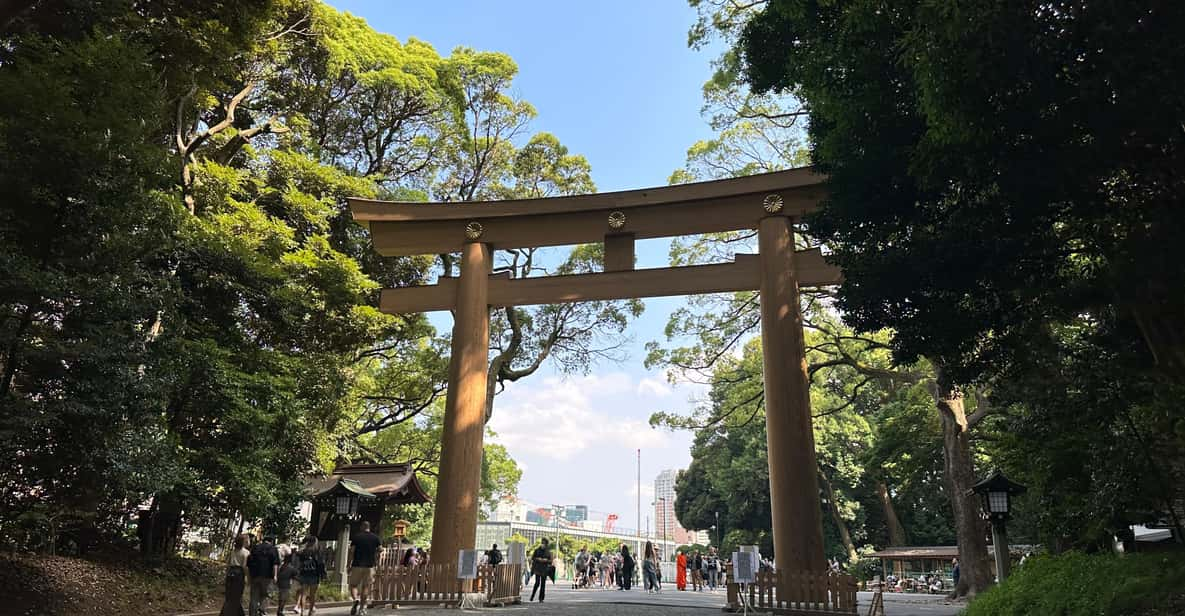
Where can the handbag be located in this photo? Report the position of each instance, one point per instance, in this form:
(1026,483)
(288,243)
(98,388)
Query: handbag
(551,573)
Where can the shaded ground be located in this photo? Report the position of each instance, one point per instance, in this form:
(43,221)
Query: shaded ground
(106,586)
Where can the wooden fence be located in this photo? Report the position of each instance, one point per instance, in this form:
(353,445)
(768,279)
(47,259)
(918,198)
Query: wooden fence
(796,593)
(437,583)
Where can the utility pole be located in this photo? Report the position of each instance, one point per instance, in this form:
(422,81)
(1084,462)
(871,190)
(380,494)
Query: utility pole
(639,524)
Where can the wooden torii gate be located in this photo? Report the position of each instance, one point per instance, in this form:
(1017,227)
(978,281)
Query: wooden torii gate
(769,203)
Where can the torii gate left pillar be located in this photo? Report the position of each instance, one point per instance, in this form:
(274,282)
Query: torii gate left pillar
(454,526)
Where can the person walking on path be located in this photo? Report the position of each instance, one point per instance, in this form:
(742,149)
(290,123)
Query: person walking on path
(627,568)
(366,546)
(650,569)
(697,571)
(681,571)
(310,570)
(540,564)
(263,562)
(712,568)
(582,561)
(236,578)
(284,583)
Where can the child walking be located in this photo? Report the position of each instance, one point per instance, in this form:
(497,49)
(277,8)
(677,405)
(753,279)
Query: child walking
(284,582)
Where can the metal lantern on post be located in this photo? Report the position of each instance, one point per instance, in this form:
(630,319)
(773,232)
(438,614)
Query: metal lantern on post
(997,491)
(347,505)
(345,499)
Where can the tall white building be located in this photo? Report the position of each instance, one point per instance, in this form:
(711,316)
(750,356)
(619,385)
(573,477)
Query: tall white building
(666,524)
(665,519)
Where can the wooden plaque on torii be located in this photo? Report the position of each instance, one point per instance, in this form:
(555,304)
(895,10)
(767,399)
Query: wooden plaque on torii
(769,203)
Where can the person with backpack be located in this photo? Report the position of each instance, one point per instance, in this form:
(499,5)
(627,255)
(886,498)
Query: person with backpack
(263,563)
(310,570)
(712,568)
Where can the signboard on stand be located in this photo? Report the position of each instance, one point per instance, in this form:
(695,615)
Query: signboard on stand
(467,561)
(744,567)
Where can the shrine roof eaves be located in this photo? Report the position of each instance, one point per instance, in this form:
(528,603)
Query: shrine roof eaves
(366,210)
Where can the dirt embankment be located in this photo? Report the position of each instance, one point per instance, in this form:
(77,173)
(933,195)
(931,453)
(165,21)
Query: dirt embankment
(108,586)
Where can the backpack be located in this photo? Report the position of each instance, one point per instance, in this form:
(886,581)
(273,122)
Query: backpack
(259,561)
(495,558)
(308,568)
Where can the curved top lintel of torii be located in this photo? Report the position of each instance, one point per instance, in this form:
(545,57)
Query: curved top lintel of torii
(410,228)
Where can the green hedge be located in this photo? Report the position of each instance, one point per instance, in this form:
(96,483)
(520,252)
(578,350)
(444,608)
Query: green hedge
(1076,584)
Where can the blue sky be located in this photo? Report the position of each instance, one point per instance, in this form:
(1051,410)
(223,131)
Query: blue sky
(615,81)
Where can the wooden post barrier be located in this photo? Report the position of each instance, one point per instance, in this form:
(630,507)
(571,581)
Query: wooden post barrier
(438,584)
(797,593)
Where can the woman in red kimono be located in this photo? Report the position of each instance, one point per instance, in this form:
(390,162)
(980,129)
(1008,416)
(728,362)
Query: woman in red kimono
(681,571)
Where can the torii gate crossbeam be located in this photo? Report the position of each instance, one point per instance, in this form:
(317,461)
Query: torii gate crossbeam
(769,203)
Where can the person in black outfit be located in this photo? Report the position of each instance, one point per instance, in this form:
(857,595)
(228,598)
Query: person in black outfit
(540,566)
(263,563)
(366,546)
(627,567)
(494,557)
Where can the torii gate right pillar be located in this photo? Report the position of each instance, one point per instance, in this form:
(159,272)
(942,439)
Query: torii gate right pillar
(793,483)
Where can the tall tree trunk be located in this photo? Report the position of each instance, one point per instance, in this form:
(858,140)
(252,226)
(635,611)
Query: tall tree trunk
(11,354)
(159,528)
(975,568)
(844,535)
(897,534)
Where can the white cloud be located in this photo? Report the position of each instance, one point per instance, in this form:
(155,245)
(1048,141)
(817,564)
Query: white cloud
(559,419)
(653,387)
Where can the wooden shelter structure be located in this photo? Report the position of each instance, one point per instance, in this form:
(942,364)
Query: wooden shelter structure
(769,203)
(376,486)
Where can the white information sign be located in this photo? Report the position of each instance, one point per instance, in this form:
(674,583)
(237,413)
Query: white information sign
(467,564)
(744,567)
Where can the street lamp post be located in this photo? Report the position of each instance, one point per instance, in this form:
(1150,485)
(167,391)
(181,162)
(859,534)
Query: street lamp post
(997,491)
(663,502)
(717,529)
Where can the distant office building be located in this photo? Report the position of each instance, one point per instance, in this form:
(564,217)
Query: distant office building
(666,523)
(576,513)
(510,509)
